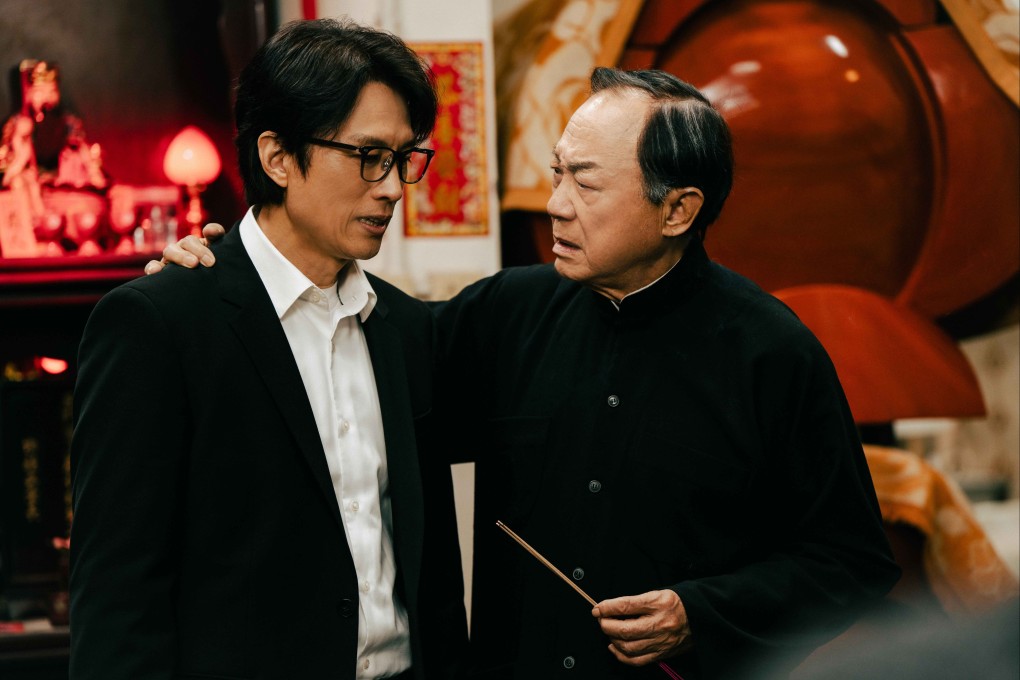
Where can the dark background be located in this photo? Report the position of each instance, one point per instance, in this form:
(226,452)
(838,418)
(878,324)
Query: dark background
(139,71)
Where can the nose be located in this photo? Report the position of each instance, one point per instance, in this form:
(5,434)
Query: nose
(390,187)
(559,206)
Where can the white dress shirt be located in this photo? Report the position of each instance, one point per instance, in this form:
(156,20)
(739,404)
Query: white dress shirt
(325,335)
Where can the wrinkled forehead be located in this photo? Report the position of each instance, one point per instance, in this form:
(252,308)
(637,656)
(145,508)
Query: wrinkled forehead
(605,129)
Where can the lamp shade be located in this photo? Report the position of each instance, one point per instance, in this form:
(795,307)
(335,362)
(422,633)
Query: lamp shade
(191,158)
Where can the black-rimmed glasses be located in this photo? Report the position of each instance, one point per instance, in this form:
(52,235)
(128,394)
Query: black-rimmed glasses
(377,161)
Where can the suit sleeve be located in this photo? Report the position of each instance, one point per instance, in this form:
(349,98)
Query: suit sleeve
(462,369)
(128,453)
(830,560)
(445,632)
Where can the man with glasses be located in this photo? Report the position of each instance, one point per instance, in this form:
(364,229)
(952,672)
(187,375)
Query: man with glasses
(275,515)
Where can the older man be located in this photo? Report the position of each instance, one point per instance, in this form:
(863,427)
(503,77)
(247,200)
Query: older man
(666,433)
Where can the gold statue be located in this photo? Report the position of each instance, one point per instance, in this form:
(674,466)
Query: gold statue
(42,146)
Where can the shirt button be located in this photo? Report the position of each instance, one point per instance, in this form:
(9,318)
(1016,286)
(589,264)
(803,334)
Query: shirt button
(366,664)
(578,574)
(613,401)
(364,586)
(345,427)
(355,506)
(594,486)
(568,662)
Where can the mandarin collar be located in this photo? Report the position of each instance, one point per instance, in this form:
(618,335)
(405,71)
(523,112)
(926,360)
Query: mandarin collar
(665,293)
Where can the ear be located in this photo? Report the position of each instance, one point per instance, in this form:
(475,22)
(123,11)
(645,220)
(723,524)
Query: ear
(276,162)
(681,206)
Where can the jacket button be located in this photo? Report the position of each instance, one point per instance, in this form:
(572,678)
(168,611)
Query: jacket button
(346,608)
(613,400)
(578,574)
(568,662)
(594,486)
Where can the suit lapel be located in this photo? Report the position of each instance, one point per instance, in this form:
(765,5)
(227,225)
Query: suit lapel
(388,364)
(259,330)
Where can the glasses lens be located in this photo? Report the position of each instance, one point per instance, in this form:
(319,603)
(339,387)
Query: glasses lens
(375,163)
(415,164)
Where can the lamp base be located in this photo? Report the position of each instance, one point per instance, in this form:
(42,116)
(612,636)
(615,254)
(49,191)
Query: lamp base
(195,216)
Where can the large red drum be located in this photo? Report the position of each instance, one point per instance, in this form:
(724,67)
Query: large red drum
(872,149)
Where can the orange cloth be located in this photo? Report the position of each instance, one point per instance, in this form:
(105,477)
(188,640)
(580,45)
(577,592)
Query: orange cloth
(965,572)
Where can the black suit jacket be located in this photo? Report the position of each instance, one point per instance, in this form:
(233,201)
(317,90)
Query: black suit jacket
(207,541)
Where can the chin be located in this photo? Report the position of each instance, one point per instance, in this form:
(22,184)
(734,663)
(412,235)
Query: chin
(366,257)
(367,251)
(574,273)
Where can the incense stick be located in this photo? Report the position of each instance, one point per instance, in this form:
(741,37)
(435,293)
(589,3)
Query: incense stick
(549,565)
(537,555)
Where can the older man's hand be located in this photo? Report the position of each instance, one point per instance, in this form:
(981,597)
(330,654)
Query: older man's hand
(189,251)
(646,628)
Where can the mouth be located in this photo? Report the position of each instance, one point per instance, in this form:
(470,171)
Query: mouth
(375,223)
(563,247)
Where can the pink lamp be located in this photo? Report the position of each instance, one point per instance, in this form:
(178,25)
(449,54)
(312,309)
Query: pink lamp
(192,160)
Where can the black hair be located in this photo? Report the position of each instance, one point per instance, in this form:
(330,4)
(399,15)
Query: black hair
(685,142)
(305,81)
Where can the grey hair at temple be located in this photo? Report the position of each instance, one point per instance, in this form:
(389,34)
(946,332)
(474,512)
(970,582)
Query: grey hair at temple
(685,143)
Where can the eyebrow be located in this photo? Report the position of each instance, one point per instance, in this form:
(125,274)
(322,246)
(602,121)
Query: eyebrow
(366,140)
(574,168)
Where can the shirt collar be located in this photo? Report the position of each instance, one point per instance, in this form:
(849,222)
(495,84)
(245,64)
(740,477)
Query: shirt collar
(286,284)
